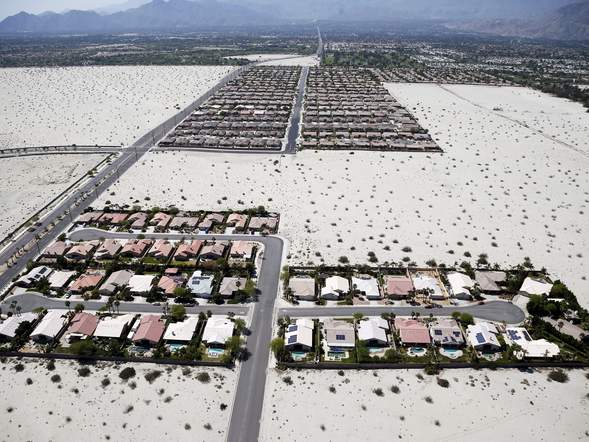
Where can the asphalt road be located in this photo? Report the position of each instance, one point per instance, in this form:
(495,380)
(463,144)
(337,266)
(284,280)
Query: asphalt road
(75,203)
(30,301)
(295,123)
(249,396)
(492,311)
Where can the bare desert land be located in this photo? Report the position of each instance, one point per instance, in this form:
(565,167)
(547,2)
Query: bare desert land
(482,404)
(95,105)
(500,188)
(28,183)
(57,403)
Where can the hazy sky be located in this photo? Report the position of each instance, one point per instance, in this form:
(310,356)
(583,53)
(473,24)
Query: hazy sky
(11,7)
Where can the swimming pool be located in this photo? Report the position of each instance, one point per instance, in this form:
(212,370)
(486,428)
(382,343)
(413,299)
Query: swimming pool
(417,351)
(298,355)
(374,350)
(451,353)
(175,347)
(215,352)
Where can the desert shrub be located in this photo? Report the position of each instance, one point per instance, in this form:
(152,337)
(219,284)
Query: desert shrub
(287,380)
(55,378)
(378,392)
(207,426)
(223,407)
(203,377)
(29,381)
(558,376)
(187,426)
(127,373)
(431,369)
(332,389)
(152,376)
(395,389)
(19,367)
(443,383)
(84,372)
(340,372)
(105,382)
(51,365)
(429,400)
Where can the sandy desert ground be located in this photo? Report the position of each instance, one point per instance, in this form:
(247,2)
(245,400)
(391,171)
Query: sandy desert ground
(95,105)
(499,189)
(500,405)
(309,60)
(28,183)
(281,59)
(38,406)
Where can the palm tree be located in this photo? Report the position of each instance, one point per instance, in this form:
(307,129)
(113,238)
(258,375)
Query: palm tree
(67,304)
(117,303)
(239,325)
(18,310)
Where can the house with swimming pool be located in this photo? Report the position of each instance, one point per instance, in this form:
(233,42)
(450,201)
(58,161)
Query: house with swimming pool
(339,339)
(412,332)
(374,332)
(445,332)
(298,337)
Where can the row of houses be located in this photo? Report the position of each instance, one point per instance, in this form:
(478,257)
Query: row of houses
(443,74)
(200,284)
(378,334)
(250,112)
(186,222)
(427,282)
(349,108)
(160,250)
(146,330)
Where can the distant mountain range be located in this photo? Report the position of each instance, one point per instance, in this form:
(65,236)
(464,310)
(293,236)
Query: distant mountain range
(570,22)
(529,18)
(158,15)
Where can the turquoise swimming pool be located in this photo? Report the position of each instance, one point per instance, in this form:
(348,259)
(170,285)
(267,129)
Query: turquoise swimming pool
(175,347)
(215,352)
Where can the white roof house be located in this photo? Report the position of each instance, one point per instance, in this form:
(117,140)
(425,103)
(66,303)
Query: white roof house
(535,286)
(34,276)
(460,285)
(218,329)
(52,324)
(539,348)
(201,285)
(181,331)
(300,334)
(373,330)
(60,278)
(113,326)
(140,283)
(335,286)
(429,283)
(368,286)
(9,326)
(483,336)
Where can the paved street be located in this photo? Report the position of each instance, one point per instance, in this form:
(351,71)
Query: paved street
(294,129)
(492,311)
(30,301)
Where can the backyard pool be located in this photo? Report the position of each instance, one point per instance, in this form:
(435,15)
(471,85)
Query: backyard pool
(417,351)
(215,352)
(175,347)
(452,353)
(298,355)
